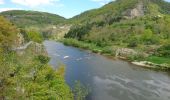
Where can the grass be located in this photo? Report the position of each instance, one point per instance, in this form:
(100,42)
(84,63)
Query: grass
(108,50)
(159,60)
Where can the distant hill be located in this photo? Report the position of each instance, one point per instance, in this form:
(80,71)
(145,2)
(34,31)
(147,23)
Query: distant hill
(120,8)
(24,18)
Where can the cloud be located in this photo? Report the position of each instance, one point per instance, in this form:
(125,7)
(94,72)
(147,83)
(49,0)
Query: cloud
(34,3)
(102,2)
(6,9)
(1,1)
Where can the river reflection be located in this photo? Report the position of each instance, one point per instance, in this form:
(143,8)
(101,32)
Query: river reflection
(109,79)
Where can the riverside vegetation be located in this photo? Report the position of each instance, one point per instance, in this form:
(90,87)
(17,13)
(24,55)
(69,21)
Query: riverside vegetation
(28,75)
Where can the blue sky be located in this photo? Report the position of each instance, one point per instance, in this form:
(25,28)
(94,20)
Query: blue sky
(65,8)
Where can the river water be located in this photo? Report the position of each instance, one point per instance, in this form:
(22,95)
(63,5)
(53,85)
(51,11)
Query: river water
(109,79)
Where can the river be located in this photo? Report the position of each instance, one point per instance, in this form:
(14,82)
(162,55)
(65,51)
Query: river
(109,79)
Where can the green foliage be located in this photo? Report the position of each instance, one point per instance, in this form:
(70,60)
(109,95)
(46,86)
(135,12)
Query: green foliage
(30,77)
(8,34)
(108,27)
(61,70)
(35,36)
(78,31)
(25,35)
(165,6)
(7,69)
(24,19)
(136,57)
(42,59)
(164,51)
(8,37)
(111,26)
(159,60)
(140,31)
(108,14)
(108,50)
(132,44)
(80,91)
(149,38)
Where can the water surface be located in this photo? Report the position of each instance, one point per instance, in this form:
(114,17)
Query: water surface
(109,79)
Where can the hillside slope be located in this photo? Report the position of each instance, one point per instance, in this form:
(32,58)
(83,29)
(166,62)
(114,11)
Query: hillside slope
(142,25)
(120,18)
(23,18)
(120,8)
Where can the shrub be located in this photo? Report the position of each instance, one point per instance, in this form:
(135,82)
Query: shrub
(35,36)
(43,59)
(164,51)
(8,34)
(80,91)
(133,44)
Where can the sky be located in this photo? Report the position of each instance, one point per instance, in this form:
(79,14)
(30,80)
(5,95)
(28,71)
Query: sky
(65,8)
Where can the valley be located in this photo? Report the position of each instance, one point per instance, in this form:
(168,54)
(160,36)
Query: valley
(116,52)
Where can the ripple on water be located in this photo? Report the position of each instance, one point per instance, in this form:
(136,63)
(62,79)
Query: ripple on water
(119,87)
(109,80)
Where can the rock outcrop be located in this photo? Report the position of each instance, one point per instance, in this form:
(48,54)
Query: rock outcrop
(135,12)
(125,52)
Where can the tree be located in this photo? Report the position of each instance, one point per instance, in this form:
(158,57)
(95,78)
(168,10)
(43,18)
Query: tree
(149,38)
(8,34)
(35,36)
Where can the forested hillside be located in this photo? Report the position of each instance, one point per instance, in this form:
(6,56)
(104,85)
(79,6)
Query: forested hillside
(46,24)
(117,9)
(23,18)
(142,25)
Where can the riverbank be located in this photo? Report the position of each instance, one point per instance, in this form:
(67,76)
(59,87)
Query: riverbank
(110,51)
(140,59)
(151,65)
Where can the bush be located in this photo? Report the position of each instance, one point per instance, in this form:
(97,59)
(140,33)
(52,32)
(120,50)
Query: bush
(133,44)
(43,59)
(149,38)
(80,91)
(164,51)
(78,31)
(138,57)
(35,36)
(8,34)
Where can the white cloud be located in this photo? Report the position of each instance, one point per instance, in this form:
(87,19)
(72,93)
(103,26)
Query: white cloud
(102,2)
(34,3)
(6,9)
(1,1)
